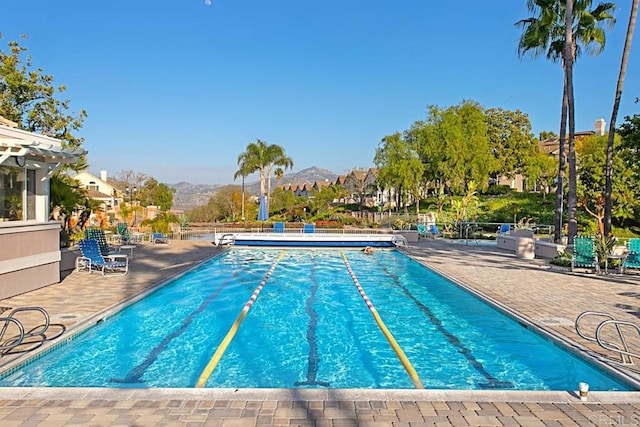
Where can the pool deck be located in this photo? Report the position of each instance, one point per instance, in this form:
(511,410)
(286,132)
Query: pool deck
(548,297)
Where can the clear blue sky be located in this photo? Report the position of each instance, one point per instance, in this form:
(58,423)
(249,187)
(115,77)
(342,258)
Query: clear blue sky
(177,89)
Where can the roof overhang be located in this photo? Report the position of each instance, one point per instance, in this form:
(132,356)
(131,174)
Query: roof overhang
(37,152)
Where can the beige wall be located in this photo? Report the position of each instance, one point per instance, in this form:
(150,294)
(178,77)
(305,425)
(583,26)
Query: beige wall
(29,256)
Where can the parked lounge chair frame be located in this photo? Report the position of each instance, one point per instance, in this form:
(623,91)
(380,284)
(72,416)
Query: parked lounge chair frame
(632,259)
(158,238)
(584,253)
(92,259)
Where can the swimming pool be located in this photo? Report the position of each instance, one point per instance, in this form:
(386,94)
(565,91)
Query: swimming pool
(310,327)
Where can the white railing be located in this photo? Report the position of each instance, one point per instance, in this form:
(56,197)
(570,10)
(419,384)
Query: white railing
(209,233)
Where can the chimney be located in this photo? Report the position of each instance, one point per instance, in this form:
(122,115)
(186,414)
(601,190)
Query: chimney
(103,175)
(600,127)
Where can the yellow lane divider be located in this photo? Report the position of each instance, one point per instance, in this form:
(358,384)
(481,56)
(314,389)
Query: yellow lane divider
(392,341)
(211,366)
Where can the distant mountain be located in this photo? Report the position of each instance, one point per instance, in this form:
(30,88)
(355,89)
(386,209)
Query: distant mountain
(188,196)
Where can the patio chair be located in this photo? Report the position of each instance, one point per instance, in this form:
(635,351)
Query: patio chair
(309,228)
(504,229)
(123,232)
(632,259)
(434,232)
(422,231)
(13,333)
(98,235)
(158,238)
(92,259)
(584,254)
(278,227)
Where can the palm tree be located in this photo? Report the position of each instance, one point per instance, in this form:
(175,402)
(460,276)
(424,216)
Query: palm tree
(556,24)
(279,173)
(243,171)
(614,115)
(262,157)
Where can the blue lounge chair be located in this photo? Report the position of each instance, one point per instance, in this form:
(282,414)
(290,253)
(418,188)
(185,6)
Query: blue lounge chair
(632,259)
(92,259)
(98,235)
(158,238)
(504,229)
(584,254)
(278,227)
(433,231)
(309,228)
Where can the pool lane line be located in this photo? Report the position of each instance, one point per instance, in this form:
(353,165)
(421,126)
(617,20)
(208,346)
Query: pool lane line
(313,359)
(211,366)
(392,341)
(492,382)
(135,375)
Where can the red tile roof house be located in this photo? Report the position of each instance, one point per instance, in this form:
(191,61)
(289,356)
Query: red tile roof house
(29,242)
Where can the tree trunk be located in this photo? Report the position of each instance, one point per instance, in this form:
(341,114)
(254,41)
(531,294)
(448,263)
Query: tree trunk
(572,199)
(561,165)
(608,190)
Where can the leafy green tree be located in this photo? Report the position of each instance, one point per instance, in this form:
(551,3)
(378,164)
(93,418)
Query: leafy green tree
(203,213)
(630,133)
(322,201)
(614,115)
(541,170)
(590,152)
(399,167)
(28,97)
(629,151)
(511,139)
(560,31)
(156,194)
(285,203)
(454,147)
(546,134)
(227,203)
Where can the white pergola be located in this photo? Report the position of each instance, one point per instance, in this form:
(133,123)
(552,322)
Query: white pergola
(35,151)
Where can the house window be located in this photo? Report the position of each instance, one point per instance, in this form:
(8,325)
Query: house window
(12,193)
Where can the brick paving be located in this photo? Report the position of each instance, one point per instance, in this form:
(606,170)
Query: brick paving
(546,297)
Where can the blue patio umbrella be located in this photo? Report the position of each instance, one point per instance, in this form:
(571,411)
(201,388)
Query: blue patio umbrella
(262,211)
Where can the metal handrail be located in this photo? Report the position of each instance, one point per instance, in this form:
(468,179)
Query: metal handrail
(624,350)
(13,342)
(399,241)
(630,355)
(227,239)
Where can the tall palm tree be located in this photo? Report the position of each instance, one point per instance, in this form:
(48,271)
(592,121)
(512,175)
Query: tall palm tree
(614,115)
(280,159)
(262,157)
(243,171)
(547,32)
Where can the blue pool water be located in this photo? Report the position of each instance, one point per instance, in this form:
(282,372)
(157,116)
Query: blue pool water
(310,327)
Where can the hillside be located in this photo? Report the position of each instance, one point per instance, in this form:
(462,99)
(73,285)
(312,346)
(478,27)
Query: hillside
(188,196)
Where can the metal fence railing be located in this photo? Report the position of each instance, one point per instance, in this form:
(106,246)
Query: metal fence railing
(210,233)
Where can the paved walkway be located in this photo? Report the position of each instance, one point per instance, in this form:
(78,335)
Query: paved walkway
(546,297)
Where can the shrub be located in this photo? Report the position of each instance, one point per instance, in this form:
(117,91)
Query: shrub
(563,259)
